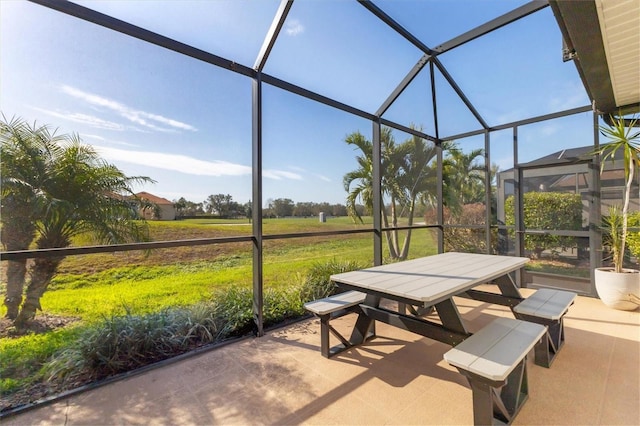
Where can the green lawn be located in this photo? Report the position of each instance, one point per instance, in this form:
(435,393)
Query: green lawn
(92,286)
(96,287)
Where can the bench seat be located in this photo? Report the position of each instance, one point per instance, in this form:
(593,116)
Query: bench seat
(332,307)
(547,307)
(494,362)
(335,303)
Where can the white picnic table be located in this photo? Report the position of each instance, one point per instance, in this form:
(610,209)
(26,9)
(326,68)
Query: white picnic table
(431,281)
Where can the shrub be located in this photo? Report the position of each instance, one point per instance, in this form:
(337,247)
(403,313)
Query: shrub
(547,211)
(467,240)
(317,283)
(633,234)
(234,307)
(281,305)
(123,343)
(119,344)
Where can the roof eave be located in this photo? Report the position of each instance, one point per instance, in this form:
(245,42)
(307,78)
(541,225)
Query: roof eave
(580,27)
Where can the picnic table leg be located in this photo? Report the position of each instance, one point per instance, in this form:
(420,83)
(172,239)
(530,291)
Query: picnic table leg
(508,287)
(450,317)
(364,324)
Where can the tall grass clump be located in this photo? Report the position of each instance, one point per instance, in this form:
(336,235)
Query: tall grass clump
(317,283)
(281,305)
(123,343)
(234,307)
(120,343)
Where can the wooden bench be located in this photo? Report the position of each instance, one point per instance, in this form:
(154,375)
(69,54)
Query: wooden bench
(494,360)
(333,307)
(547,307)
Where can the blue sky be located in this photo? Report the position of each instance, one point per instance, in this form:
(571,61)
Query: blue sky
(187,124)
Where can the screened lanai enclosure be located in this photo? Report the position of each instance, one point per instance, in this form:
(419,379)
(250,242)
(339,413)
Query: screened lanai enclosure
(370,131)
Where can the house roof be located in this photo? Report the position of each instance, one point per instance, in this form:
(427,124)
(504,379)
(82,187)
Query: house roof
(565,156)
(153,198)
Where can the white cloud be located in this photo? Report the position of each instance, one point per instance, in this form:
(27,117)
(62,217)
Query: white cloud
(185,164)
(175,162)
(293,27)
(100,138)
(142,118)
(110,141)
(280,174)
(83,119)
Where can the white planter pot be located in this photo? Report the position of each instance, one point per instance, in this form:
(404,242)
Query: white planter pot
(614,289)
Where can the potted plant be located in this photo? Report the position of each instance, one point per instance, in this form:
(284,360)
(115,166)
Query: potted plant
(619,287)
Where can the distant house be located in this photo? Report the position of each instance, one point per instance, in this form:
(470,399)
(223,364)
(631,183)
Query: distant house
(165,209)
(569,170)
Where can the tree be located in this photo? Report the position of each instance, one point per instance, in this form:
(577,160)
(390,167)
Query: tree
(416,179)
(463,178)
(359,183)
(25,150)
(72,192)
(185,207)
(282,207)
(406,177)
(220,204)
(303,209)
(248,210)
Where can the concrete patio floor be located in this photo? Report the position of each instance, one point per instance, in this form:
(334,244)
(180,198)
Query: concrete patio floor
(396,379)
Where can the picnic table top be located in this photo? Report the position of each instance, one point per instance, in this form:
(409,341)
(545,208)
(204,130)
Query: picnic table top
(431,279)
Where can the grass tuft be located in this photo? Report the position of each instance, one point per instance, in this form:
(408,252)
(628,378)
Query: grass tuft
(317,283)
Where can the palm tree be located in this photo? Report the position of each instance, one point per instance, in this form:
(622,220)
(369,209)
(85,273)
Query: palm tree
(362,179)
(417,180)
(362,176)
(463,178)
(85,196)
(25,152)
(71,192)
(405,177)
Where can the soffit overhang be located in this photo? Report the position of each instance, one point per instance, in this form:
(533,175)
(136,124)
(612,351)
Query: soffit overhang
(602,37)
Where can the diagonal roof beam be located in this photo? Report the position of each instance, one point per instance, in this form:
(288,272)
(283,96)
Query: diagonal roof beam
(460,93)
(396,26)
(479,31)
(499,22)
(139,33)
(492,25)
(428,52)
(403,85)
(292,88)
(272,34)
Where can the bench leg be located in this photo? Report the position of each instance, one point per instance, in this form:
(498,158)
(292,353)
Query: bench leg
(498,402)
(544,353)
(325,336)
(325,327)
(556,334)
(482,394)
(547,348)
